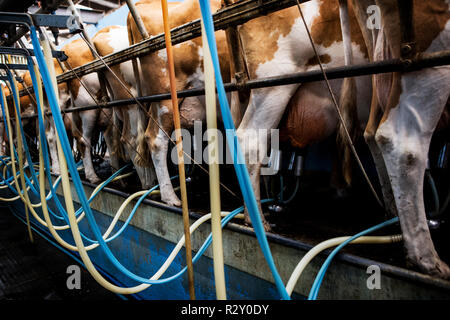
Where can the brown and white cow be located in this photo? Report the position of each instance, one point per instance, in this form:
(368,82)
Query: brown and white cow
(188,58)
(133,117)
(85,124)
(27,106)
(278,44)
(405,112)
(412,103)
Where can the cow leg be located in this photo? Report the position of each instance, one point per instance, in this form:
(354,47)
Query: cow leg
(404,138)
(51,139)
(109,121)
(88,121)
(135,140)
(158,142)
(2,140)
(369,135)
(264,112)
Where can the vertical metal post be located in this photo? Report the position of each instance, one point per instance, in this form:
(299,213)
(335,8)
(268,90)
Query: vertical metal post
(239,67)
(406,13)
(141,27)
(100,74)
(137,19)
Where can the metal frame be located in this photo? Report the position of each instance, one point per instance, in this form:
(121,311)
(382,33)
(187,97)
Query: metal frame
(236,14)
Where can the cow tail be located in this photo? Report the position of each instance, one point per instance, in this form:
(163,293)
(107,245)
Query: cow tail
(347,102)
(142,157)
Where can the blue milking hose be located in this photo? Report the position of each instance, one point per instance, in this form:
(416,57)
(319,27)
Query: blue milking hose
(318,280)
(238,160)
(64,144)
(70,162)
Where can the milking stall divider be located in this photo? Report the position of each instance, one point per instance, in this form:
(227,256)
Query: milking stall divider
(229,16)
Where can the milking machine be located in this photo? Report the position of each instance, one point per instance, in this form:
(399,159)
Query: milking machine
(292,169)
(35,181)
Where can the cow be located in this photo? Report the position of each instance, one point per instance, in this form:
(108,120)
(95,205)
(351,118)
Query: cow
(85,125)
(27,107)
(406,109)
(278,44)
(132,117)
(189,74)
(401,121)
(3,137)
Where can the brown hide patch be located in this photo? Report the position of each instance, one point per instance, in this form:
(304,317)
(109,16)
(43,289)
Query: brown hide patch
(430,18)
(78,54)
(265,31)
(324,58)
(326,28)
(186,56)
(325,31)
(101,40)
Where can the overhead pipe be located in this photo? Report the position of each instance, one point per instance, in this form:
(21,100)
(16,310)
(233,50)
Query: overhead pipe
(425,60)
(144,34)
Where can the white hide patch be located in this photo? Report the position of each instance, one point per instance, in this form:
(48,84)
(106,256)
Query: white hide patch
(83,97)
(294,49)
(118,40)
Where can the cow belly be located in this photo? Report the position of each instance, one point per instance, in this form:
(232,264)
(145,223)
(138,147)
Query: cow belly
(192,109)
(309,116)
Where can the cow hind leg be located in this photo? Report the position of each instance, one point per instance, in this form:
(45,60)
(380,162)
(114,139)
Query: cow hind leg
(404,137)
(369,136)
(51,138)
(88,120)
(158,144)
(264,113)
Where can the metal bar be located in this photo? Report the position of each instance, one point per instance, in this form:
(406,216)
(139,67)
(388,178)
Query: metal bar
(5,78)
(91,16)
(407,37)
(55,53)
(43,20)
(137,19)
(24,30)
(425,60)
(13,66)
(51,20)
(233,15)
(104,3)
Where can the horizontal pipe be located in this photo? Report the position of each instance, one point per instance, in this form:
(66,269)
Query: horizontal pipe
(425,60)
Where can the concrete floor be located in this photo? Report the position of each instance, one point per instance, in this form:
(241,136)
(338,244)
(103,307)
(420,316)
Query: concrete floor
(38,271)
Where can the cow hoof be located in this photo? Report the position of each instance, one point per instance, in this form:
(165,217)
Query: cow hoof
(95,180)
(173,202)
(436,268)
(441,270)
(266,225)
